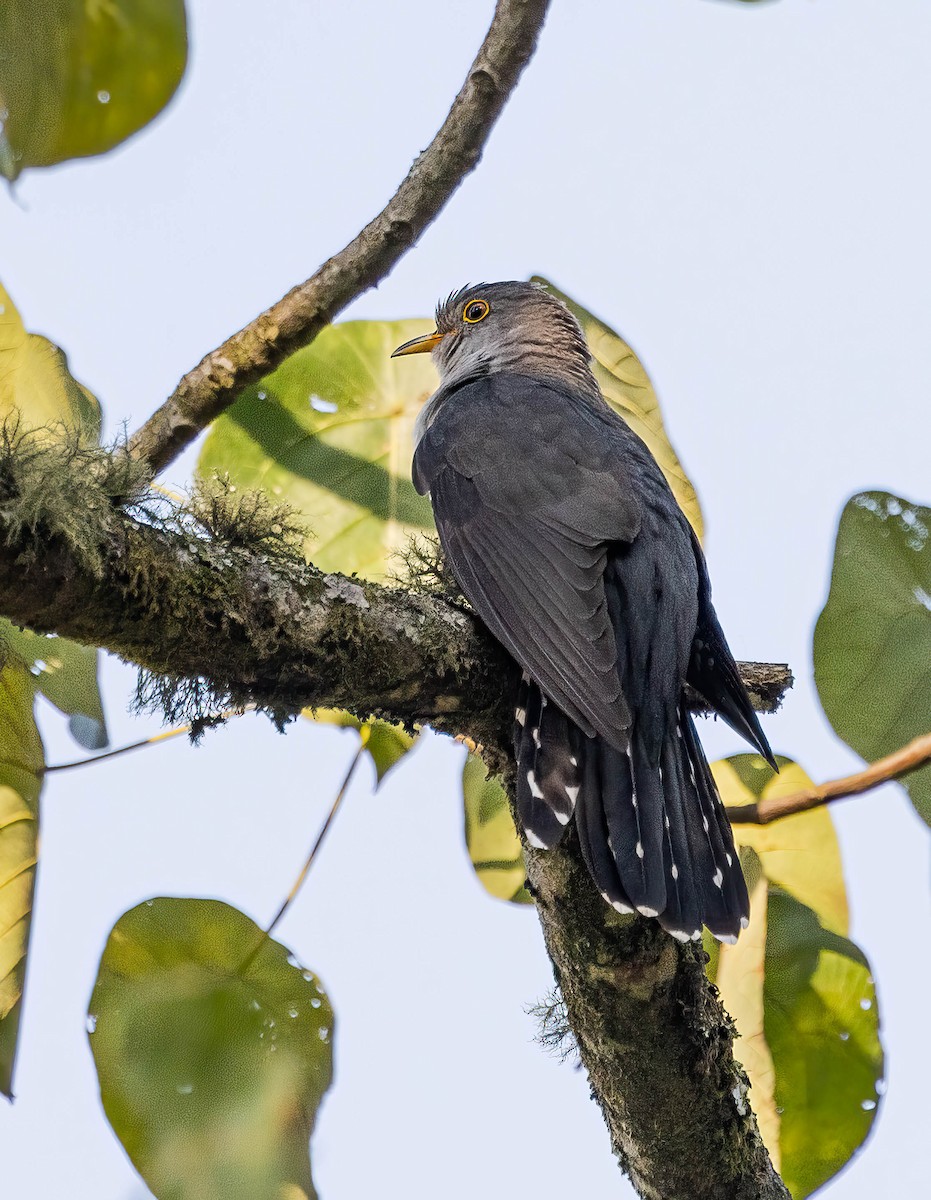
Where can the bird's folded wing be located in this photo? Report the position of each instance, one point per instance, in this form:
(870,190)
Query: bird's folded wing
(527,498)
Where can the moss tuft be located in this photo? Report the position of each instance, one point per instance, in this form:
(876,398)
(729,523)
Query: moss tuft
(554,1033)
(247,520)
(424,570)
(52,483)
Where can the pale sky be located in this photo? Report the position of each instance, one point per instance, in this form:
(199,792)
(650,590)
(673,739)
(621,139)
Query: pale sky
(743,191)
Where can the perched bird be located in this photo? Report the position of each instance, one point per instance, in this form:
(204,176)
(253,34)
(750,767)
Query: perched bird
(569,544)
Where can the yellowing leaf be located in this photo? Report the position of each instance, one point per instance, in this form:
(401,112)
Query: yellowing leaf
(800,992)
(38,392)
(77,77)
(211,1072)
(739,977)
(21,764)
(331,434)
(799,853)
(627,388)
(36,387)
(491,838)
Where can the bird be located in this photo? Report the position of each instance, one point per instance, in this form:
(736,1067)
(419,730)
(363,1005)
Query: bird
(567,541)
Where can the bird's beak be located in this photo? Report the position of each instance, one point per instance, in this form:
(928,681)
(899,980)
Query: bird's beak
(421,345)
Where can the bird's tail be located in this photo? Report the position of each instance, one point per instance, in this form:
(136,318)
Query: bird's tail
(652,829)
(547,747)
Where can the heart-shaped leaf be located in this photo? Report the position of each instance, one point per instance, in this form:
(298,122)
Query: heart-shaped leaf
(212,1058)
(872,645)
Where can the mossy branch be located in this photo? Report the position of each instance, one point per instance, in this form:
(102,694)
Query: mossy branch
(655,1040)
(216,601)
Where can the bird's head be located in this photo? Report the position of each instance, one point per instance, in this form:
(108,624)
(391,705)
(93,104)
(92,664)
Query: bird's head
(513,326)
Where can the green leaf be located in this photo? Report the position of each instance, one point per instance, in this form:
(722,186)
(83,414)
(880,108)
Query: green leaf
(210,1075)
(331,434)
(386,744)
(822,1028)
(66,674)
(800,992)
(872,644)
(36,387)
(21,765)
(627,388)
(492,840)
(77,77)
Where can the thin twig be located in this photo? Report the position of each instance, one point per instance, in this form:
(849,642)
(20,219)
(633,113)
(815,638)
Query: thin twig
(902,762)
(309,861)
(296,319)
(156,738)
(96,758)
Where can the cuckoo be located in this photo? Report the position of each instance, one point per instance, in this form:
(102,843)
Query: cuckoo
(566,539)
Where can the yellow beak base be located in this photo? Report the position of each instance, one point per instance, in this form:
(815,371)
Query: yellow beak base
(421,345)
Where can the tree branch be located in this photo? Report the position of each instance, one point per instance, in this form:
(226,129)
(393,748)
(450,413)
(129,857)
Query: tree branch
(213,385)
(656,1043)
(240,611)
(221,602)
(894,766)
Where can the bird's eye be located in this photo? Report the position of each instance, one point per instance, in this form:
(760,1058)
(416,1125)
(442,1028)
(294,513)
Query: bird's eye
(475,311)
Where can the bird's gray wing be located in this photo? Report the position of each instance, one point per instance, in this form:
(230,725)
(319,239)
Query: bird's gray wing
(529,490)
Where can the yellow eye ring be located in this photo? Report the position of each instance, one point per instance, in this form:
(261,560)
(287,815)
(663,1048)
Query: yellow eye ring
(475,311)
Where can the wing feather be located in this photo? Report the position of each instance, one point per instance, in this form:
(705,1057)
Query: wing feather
(526,521)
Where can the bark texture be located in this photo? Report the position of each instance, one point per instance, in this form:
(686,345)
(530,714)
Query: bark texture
(656,1043)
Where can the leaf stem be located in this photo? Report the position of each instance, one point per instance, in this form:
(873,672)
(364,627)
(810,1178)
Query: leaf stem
(165,736)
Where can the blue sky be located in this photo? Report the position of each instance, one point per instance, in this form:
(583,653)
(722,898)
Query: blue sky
(743,191)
